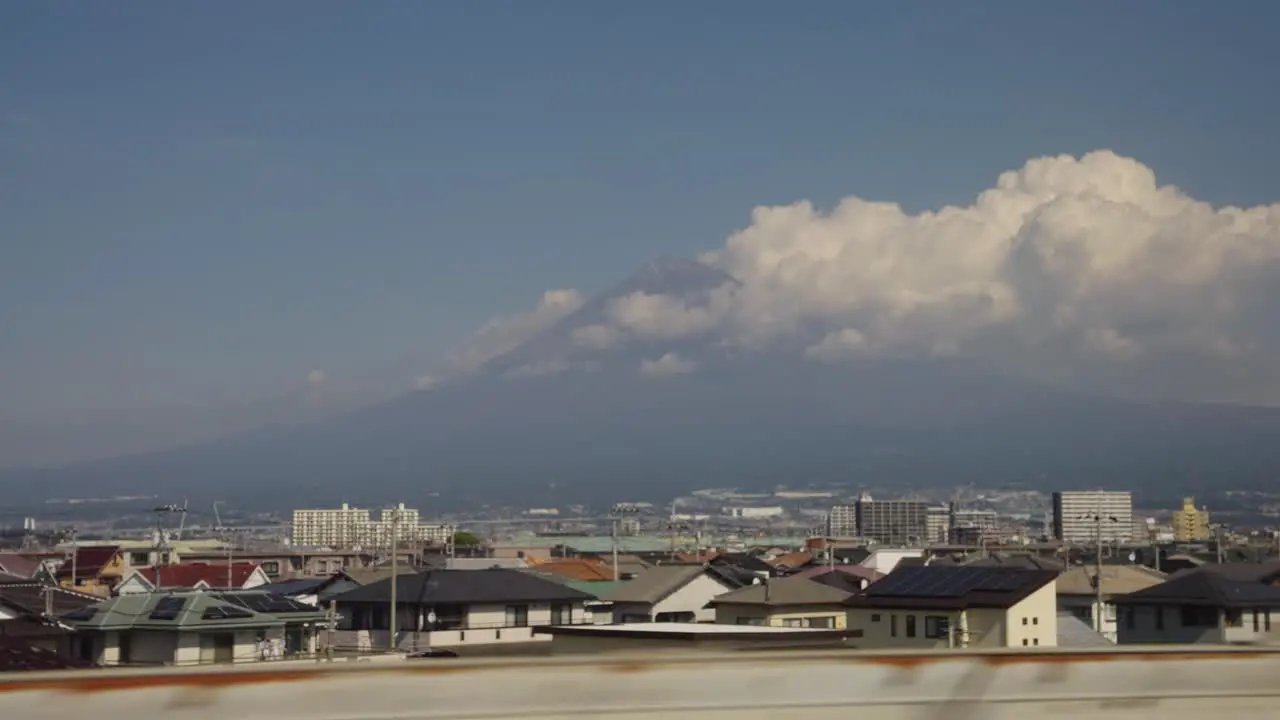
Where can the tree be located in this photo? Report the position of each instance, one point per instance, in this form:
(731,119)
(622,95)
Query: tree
(462,538)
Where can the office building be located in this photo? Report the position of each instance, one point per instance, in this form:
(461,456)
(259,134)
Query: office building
(348,527)
(1080,516)
(1190,524)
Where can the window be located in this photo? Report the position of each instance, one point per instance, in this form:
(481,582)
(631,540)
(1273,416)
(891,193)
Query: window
(1035,621)
(561,614)
(517,615)
(1257,620)
(271,567)
(937,626)
(139,559)
(793,622)
(1024,621)
(911,626)
(1159,618)
(1035,641)
(1235,618)
(1024,641)
(875,617)
(893,626)
(1193,616)
(827,623)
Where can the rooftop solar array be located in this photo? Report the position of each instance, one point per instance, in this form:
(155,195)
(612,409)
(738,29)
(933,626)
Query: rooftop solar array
(267,603)
(167,608)
(84,614)
(225,612)
(946,582)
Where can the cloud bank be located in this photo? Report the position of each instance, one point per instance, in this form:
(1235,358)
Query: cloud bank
(668,365)
(1083,270)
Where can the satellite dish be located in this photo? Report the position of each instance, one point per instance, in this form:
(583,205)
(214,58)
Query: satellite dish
(1133,557)
(431,617)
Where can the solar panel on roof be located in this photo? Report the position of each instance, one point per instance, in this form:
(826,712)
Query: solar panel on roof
(83,614)
(167,608)
(225,612)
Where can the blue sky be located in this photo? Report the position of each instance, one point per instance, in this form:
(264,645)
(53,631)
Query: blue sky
(202,202)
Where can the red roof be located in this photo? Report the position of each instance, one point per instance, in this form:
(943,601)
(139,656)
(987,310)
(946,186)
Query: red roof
(89,561)
(188,575)
(24,566)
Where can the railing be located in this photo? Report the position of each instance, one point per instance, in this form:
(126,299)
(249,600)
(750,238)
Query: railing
(1175,683)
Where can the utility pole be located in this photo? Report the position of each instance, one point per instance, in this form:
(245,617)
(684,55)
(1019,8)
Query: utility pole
(615,516)
(227,538)
(330,624)
(75,552)
(1098,518)
(395,567)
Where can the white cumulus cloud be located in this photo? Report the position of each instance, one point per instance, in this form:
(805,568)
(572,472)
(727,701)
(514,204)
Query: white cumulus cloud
(1080,269)
(668,365)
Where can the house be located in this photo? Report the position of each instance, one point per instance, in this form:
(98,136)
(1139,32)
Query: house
(683,637)
(450,608)
(29,612)
(670,593)
(18,655)
(884,560)
(794,602)
(939,607)
(94,569)
(193,576)
(1077,592)
(192,628)
(1213,604)
(21,566)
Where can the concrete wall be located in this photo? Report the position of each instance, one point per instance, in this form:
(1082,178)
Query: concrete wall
(777,616)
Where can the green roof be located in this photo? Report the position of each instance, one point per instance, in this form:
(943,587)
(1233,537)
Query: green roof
(175,611)
(604,544)
(595,588)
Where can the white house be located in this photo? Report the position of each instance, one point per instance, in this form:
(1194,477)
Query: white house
(929,606)
(669,593)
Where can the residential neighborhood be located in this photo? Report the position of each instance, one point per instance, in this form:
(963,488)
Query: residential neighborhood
(112,605)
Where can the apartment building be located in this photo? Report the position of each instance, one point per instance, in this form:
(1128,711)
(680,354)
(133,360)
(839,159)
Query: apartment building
(1190,524)
(903,523)
(348,527)
(842,521)
(1077,515)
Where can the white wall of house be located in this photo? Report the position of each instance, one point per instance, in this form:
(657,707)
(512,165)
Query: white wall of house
(134,585)
(1034,621)
(885,560)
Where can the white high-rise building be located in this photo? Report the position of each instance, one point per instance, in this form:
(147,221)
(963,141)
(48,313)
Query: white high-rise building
(842,521)
(349,527)
(1076,513)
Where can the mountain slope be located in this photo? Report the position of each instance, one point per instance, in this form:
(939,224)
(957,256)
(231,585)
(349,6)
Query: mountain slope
(602,431)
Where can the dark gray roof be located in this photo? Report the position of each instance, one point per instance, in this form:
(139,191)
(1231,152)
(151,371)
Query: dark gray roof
(28,597)
(463,587)
(656,583)
(1222,586)
(784,591)
(933,587)
(297,586)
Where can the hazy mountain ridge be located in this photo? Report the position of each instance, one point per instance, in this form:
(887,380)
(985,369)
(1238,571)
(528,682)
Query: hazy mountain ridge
(599,429)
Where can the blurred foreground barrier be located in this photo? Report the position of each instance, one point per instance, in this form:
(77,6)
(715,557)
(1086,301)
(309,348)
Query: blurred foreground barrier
(1169,684)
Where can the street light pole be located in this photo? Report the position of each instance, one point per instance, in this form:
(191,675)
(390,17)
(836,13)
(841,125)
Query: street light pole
(395,567)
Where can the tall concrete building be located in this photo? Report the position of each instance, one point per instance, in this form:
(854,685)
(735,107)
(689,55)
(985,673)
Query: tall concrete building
(348,527)
(1190,524)
(1076,513)
(901,523)
(842,521)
